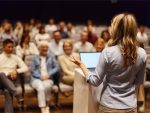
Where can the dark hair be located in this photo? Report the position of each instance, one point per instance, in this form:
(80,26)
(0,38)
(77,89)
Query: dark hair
(41,29)
(7,41)
(104,31)
(24,36)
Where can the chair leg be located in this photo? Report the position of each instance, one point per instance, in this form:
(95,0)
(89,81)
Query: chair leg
(56,96)
(21,103)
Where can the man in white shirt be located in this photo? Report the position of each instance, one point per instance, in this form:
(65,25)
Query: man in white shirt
(10,66)
(50,27)
(56,45)
(42,36)
(83,45)
(8,33)
(142,36)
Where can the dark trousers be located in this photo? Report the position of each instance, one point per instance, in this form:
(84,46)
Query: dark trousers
(9,90)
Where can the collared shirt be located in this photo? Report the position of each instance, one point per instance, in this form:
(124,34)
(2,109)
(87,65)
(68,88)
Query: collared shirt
(119,82)
(55,48)
(42,37)
(80,47)
(50,28)
(43,66)
(9,63)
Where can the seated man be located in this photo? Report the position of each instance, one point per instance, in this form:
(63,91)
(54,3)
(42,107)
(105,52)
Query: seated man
(10,66)
(44,67)
(83,45)
(55,45)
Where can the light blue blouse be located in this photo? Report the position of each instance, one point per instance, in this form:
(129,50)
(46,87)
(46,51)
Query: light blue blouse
(119,81)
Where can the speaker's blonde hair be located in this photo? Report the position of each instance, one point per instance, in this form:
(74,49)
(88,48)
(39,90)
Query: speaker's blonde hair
(124,32)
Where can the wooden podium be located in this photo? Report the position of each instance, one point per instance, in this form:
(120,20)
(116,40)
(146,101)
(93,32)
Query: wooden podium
(85,100)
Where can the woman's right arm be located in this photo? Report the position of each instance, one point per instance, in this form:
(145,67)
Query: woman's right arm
(94,78)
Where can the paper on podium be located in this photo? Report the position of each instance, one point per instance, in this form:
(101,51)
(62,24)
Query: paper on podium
(84,101)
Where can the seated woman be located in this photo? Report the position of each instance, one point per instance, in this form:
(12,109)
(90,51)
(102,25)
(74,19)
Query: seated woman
(26,47)
(44,68)
(66,65)
(99,45)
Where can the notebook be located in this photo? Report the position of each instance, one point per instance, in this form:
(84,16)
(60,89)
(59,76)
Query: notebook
(90,59)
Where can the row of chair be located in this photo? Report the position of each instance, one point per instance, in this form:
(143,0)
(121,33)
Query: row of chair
(24,87)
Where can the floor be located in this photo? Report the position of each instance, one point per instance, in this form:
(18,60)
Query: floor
(66,105)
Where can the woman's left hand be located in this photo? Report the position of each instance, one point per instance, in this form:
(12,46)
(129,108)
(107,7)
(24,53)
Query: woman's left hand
(80,64)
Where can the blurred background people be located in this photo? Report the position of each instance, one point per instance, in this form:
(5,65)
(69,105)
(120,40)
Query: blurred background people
(8,33)
(70,29)
(90,24)
(83,45)
(105,35)
(18,30)
(34,28)
(51,26)
(26,47)
(92,37)
(42,36)
(56,44)
(142,36)
(99,45)
(63,30)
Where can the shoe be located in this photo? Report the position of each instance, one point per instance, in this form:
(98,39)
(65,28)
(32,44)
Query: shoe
(66,94)
(18,95)
(141,108)
(47,110)
(19,98)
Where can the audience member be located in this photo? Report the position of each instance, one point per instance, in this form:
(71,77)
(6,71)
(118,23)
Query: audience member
(142,36)
(41,36)
(66,65)
(35,29)
(56,44)
(50,27)
(63,30)
(44,67)
(92,37)
(99,45)
(10,66)
(26,47)
(18,30)
(8,33)
(106,36)
(90,24)
(83,45)
(32,23)
(70,29)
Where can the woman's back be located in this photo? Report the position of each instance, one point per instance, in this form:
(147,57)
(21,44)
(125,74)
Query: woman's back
(120,80)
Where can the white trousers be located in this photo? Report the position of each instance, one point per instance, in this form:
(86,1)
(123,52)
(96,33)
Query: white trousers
(43,89)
